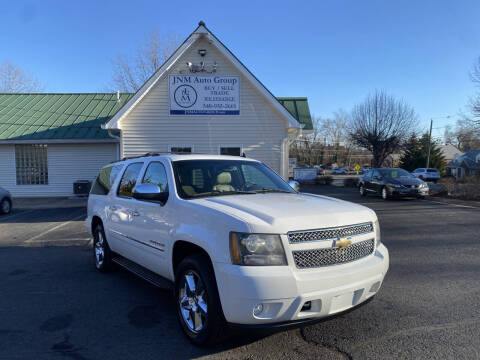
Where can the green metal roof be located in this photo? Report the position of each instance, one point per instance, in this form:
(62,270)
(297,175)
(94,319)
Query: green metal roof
(79,116)
(57,116)
(298,107)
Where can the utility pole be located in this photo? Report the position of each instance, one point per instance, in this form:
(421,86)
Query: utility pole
(429,143)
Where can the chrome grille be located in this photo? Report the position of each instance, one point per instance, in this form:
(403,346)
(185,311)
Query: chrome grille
(329,233)
(330,256)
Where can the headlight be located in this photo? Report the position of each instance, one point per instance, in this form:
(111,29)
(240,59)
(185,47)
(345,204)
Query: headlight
(256,249)
(423,185)
(378,239)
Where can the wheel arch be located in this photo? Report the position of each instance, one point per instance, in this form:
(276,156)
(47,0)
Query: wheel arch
(181,249)
(96,220)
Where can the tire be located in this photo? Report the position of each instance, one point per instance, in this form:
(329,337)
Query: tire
(362,190)
(385,193)
(102,254)
(199,311)
(5,206)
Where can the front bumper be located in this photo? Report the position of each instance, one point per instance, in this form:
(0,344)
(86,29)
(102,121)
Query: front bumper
(408,192)
(283,290)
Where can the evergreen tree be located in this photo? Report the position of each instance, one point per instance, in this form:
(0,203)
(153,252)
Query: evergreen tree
(412,155)
(415,154)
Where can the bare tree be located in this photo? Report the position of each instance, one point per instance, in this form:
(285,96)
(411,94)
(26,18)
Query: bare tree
(475,101)
(131,72)
(381,124)
(15,80)
(334,129)
(467,134)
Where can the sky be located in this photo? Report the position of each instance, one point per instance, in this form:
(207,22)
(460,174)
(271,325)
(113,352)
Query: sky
(335,52)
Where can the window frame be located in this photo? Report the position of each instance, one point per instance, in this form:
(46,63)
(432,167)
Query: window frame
(191,146)
(37,159)
(230,146)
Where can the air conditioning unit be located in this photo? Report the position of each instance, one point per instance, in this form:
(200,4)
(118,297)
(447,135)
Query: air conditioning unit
(82,187)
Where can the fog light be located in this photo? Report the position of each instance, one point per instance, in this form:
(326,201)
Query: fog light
(257,309)
(307,306)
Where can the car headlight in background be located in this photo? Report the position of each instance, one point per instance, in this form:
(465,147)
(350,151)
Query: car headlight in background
(378,239)
(423,185)
(257,249)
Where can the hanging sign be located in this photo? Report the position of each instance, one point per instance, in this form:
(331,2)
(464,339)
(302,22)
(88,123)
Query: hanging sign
(204,94)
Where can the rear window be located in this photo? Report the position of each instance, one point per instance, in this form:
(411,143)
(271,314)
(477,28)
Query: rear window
(432,170)
(106,179)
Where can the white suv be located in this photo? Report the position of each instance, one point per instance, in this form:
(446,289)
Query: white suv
(237,243)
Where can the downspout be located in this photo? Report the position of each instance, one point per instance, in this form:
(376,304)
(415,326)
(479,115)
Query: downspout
(120,144)
(284,150)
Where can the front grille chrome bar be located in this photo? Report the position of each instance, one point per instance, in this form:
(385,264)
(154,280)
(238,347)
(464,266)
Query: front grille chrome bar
(296,237)
(305,259)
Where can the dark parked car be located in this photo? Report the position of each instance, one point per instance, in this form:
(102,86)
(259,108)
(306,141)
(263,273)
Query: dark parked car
(5,201)
(394,182)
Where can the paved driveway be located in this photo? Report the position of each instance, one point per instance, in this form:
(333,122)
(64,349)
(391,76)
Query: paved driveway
(53,303)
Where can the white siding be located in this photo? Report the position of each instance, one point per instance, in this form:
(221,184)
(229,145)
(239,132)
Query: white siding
(66,164)
(259,129)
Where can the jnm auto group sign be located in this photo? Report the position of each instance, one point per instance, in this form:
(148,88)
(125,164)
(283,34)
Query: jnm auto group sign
(204,94)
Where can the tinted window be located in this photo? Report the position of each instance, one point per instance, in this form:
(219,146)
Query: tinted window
(156,174)
(395,173)
(106,179)
(129,179)
(432,170)
(181,149)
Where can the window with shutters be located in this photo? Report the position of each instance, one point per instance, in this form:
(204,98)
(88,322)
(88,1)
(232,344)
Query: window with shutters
(31,164)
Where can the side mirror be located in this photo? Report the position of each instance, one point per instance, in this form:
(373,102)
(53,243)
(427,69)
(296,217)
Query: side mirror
(149,192)
(295,185)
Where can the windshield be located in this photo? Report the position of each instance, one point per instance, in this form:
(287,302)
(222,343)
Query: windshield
(201,178)
(395,173)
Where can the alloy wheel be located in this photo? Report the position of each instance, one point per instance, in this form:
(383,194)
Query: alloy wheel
(100,249)
(192,300)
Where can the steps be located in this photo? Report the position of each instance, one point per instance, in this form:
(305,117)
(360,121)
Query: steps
(143,273)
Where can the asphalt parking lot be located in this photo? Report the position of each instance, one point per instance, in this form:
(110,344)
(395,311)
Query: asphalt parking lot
(55,305)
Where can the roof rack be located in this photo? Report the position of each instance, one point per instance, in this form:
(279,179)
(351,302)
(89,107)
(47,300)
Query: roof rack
(149,154)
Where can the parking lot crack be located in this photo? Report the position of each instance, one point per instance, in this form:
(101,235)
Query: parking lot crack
(331,347)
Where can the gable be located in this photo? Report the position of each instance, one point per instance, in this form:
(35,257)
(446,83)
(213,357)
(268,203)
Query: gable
(207,40)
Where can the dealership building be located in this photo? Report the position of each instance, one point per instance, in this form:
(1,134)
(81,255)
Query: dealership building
(201,100)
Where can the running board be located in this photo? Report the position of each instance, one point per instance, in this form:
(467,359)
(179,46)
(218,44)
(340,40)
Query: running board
(143,273)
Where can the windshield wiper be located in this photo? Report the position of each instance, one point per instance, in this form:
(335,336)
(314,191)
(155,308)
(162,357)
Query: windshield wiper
(220,193)
(265,190)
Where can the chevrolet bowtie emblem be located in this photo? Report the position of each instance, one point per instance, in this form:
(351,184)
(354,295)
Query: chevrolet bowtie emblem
(342,243)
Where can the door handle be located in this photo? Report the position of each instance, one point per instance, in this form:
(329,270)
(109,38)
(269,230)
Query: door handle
(134,213)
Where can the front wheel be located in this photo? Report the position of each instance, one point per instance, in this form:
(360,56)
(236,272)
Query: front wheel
(198,305)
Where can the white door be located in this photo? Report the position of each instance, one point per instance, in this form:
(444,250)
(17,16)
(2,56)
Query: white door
(121,213)
(154,221)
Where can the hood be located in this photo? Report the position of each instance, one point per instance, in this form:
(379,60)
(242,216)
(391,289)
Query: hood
(281,212)
(406,181)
